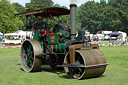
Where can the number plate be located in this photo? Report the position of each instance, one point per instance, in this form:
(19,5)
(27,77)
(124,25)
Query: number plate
(86,44)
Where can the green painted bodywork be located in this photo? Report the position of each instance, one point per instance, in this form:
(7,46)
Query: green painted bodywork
(65,34)
(53,39)
(56,45)
(41,43)
(30,13)
(59,48)
(36,36)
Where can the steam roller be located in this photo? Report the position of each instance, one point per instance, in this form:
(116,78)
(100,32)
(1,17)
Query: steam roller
(61,48)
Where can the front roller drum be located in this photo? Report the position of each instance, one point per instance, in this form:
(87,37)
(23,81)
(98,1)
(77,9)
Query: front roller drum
(29,50)
(87,58)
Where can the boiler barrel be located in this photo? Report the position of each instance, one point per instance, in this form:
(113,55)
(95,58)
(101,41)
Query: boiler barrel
(58,48)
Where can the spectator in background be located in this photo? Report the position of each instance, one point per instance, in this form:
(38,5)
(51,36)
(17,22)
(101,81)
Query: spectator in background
(120,41)
(125,39)
(96,41)
(115,44)
(110,44)
(117,41)
(22,39)
(99,44)
(3,41)
(0,38)
(103,44)
(92,40)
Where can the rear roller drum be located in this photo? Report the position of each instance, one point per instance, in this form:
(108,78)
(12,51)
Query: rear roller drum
(86,58)
(29,50)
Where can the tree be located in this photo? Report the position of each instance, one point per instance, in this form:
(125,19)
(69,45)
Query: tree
(38,4)
(78,20)
(104,16)
(20,9)
(89,15)
(8,22)
(121,8)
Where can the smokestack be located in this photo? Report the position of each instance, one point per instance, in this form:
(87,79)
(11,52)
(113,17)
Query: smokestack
(73,20)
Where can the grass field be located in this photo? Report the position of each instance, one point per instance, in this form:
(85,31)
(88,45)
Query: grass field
(11,73)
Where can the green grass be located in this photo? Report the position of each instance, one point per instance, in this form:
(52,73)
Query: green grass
(11,73)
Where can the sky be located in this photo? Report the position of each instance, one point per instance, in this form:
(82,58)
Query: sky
(61,2)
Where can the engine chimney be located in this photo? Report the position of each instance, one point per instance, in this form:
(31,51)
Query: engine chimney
(73,20)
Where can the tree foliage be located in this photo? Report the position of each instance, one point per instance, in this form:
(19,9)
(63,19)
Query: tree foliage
(20,9)
(121,8)
(8,22)
(38,4)
(104,16)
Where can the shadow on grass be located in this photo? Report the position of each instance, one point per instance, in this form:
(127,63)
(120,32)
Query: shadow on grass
(18,64)
(94,77)
(60,73)
(21,69)
(47,68)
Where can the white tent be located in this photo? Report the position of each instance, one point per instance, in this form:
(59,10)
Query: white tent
(17,33)
(124,35)
(20,32)
(1,33)
(8,34)
(14,37)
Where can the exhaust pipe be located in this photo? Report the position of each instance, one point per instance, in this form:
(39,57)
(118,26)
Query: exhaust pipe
(73,20)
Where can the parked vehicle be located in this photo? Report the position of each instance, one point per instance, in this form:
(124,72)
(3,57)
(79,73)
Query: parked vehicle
(106,34)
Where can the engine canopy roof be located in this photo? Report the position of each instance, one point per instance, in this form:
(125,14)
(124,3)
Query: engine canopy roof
(47,12)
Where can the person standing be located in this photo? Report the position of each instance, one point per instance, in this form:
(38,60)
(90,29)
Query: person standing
(37,26)
(0,38)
